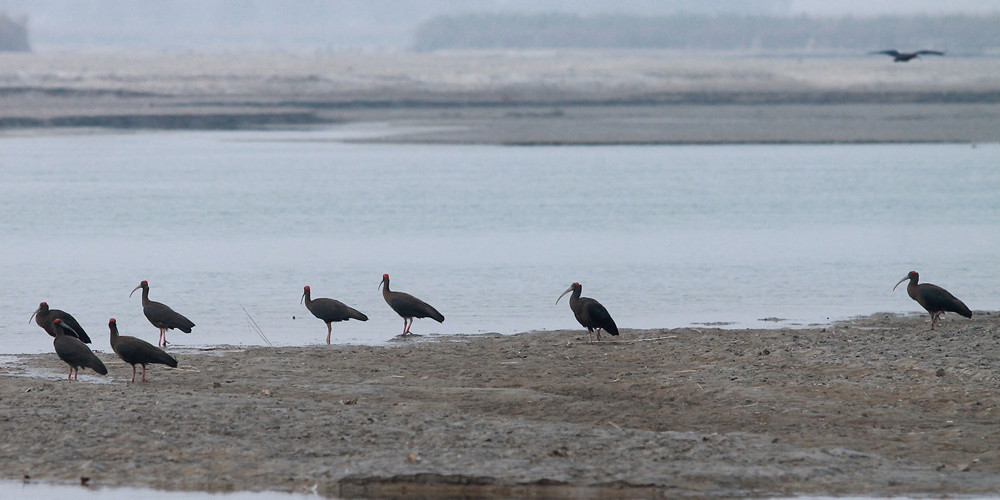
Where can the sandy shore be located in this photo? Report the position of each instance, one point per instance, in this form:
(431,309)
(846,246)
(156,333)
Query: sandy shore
(517,98)
(876,406)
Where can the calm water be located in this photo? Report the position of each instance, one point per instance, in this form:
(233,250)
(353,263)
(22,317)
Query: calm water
(663,236)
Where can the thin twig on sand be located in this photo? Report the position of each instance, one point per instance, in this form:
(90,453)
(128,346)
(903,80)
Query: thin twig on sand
(256,328)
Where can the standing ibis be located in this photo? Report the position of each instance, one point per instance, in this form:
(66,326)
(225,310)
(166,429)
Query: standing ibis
(44,316)
(137,351)
(934,299)
(408,306)
(74,352)
(330,311)
(589,312)
(161,316)
(898,56)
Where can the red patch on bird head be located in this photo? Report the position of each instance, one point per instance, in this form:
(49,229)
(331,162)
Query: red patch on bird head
(44,304)
(576,284)
(144,283)
(385,276)
(306,288)
(112,320)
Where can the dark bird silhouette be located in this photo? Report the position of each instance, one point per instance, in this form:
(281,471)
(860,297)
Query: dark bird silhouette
(408,306)
(43,316)
(898,56)
(934,299)
(161,316)
(137,351)
(75,353)
(330,311)
(589,312)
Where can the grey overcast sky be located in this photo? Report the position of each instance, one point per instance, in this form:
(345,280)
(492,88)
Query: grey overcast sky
(363,24)
(881,7)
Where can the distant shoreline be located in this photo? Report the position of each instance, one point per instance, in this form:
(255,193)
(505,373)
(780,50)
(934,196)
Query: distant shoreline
(529,98)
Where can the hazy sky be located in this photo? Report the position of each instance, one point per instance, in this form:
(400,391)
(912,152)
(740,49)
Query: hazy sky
(367,24)
(876,7)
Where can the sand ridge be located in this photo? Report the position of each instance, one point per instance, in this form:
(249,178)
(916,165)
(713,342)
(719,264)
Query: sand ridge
(515,98)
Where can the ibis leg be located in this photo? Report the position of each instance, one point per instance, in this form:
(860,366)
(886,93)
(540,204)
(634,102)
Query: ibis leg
(133,374)
(143,373)
(329,331)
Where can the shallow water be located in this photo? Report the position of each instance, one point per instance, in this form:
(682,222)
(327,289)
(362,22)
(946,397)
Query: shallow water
(663,236)
(32,490)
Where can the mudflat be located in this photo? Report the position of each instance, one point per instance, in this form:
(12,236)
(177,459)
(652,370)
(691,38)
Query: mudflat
(516,98)
(875,406)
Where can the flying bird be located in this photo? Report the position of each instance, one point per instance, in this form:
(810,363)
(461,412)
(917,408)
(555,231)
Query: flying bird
(590,313)
(934,299)
(898,56)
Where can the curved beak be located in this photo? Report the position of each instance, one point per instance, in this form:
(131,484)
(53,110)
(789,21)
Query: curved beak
(570,289)
(900,281)
(134,289)
(33,314)
(380,284)
(303,299)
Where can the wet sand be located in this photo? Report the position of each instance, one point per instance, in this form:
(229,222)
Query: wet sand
(516,98)
(877,406)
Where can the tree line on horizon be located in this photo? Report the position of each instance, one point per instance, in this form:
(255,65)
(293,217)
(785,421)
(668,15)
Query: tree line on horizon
(13,35)
(957,34)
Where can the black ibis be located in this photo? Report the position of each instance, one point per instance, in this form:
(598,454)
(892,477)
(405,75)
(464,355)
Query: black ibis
(161,315)
(934,299)
(44,316)
(75,353)
(408,306)
(589,312)
(898,56)
(137,351)
(330,311)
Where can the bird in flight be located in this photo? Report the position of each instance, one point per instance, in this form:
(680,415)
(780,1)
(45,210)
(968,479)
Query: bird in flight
(898,56)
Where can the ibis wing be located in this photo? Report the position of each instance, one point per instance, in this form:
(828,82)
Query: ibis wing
(334,310)
(133,351)
(409,306)
(935,298)
(162,316)
(76,353)
(599,316)
(893,53)
(930,52)
(68,320)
